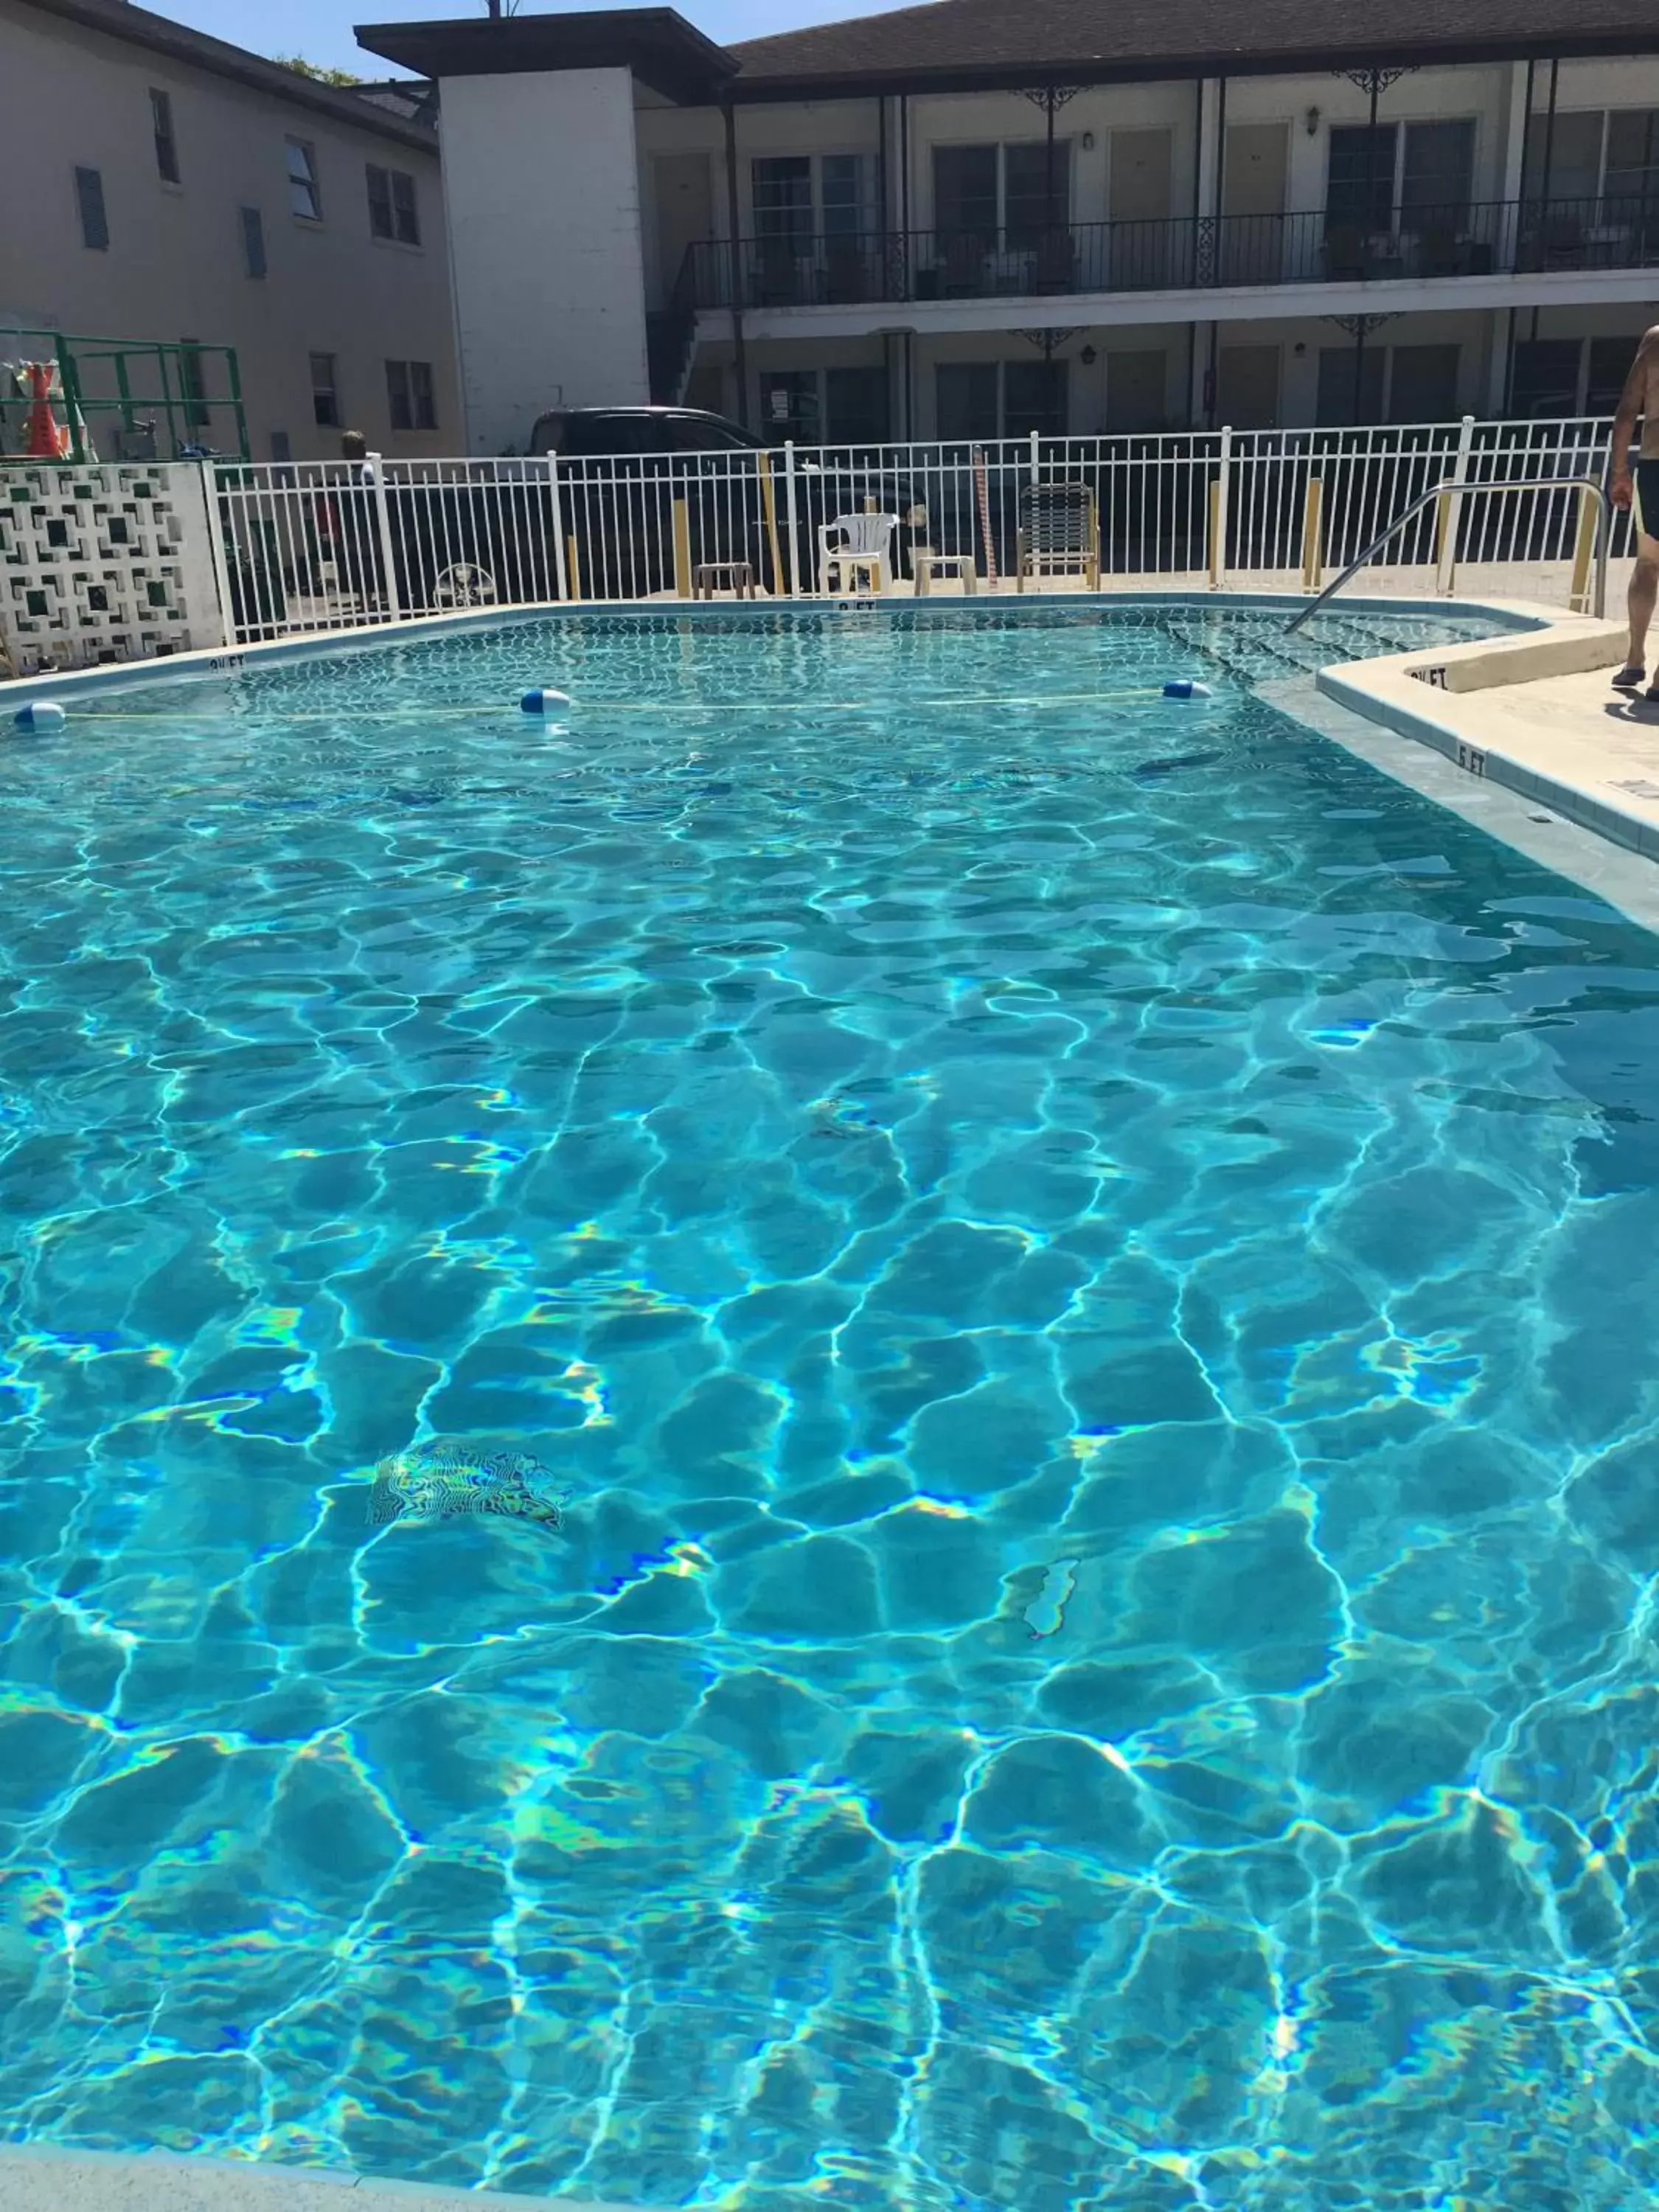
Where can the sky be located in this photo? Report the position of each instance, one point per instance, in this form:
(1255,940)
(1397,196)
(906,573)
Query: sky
(321,30)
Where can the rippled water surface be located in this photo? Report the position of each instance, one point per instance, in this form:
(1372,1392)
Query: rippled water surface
(1072,1286)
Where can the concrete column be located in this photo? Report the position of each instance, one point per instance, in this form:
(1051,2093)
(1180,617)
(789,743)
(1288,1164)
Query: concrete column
(541,185)
(1514,132)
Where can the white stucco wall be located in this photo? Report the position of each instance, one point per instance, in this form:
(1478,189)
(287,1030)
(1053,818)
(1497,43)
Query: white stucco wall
(72,97)
(541,180)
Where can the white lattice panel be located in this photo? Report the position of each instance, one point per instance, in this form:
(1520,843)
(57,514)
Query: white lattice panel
(104,563)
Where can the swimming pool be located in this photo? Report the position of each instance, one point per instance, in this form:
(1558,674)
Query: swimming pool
(1076,1275)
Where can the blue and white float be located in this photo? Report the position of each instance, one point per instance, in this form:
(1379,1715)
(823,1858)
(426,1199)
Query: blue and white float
(542,699)
(1186,687)
(40,715)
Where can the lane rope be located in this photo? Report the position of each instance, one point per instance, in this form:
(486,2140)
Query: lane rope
(650,707)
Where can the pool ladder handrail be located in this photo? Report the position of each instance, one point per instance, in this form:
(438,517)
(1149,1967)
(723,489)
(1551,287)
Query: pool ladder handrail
(1463,491)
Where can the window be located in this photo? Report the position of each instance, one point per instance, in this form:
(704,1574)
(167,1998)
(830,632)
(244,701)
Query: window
(1571,376)
(799,197)
(1595,154)
(1415,179)
(1034,398)
(409,395)
(166,146)
(324,392)
(1570,154)
(965,190)
(968,394)
(855,406)
(1546,376)
(1006,196)
(1337,368)
(1609,365)
(686,435)
(391,209)
(783,200)
(253,225)
(1423,383)
(982,400)
(1033,197)
(94,223)
(1633,167)
(190,383)
(1360,193)
(1396,384)
(841,189)
(824,407)
(790,405)
(304,199)
(1437,176)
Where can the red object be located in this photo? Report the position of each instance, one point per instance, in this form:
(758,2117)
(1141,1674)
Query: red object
(49,440)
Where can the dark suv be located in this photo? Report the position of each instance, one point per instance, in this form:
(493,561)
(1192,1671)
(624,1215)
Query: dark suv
(624,470)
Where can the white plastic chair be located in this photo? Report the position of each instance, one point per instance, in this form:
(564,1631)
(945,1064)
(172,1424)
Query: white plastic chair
(852,543)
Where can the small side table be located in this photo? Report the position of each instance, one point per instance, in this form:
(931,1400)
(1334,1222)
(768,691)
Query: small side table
(927,565)
(708,576)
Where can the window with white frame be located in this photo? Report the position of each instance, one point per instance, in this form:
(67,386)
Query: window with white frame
(1388,384)
(305,196)
(1604,160)
(1006,195)
(981,400)
(409,398)
(1407,178)
(1571,376)
(392,212)
(825,406)
(802,197)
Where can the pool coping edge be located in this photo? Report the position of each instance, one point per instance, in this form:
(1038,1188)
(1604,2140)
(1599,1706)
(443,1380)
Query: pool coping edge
(1520,617)
(1394,690)
(151,2181)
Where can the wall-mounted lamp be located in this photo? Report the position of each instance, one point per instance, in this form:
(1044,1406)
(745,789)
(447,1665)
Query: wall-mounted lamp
(1311,121)
(1300,349)
(1088,356)
(1088,142)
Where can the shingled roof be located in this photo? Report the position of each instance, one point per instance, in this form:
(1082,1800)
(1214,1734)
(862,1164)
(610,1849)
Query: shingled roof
(969,42)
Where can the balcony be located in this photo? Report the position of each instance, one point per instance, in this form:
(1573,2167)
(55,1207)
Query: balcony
(849,269)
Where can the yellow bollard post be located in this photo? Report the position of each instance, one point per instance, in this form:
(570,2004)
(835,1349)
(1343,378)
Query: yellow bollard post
(769,508)
(682,550)
(1584,553)
(1313,537)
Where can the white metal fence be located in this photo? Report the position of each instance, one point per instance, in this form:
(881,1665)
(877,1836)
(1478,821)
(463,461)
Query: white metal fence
(308,546)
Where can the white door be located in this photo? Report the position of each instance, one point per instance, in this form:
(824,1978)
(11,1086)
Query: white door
(1139,170)
(1252,204)
(685,211)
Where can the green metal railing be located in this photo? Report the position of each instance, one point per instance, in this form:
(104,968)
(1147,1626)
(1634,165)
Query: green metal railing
(129,399)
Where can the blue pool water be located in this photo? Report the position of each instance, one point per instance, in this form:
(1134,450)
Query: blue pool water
(1060,1291)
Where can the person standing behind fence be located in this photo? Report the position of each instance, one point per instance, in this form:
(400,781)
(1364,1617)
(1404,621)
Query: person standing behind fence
(1639,401)
(347,522)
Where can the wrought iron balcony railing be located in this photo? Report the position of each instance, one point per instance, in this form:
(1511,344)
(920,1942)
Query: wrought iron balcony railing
(1461,240)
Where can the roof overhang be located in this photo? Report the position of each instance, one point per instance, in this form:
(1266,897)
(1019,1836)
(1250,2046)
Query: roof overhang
(750,88)
(656,45)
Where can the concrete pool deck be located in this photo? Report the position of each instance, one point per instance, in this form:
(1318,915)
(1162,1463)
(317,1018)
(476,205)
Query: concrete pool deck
(1537,714)
(45,2180)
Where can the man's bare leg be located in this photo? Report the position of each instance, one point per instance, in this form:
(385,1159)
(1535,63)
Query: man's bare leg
(1643,593)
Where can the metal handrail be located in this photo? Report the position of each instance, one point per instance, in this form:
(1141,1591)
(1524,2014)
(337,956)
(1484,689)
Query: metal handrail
(1451,485)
